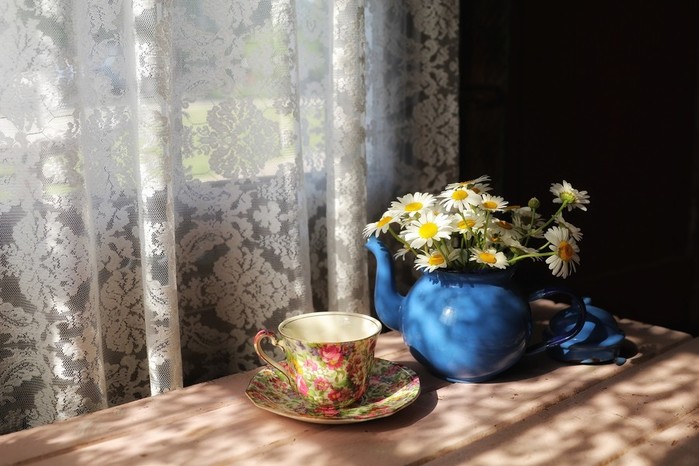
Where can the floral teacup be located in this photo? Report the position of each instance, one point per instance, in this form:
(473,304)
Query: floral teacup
(329,355)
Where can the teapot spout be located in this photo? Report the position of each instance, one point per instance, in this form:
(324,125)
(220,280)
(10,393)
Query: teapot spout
(387,300)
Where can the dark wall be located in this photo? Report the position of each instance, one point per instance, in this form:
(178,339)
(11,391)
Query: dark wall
(603,95)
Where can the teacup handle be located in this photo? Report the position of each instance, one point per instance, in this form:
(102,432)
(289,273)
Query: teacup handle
(259,338)
(575,302)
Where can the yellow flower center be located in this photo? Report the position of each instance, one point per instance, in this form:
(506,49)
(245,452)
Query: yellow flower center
(487,257)
(565,251)
(459,195)
(384,221)
(568,197)
(428,230)
(467,223)
(490,204)
(413,207)
(436,260)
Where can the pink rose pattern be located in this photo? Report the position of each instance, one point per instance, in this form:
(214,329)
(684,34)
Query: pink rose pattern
(391,388)
(331,374)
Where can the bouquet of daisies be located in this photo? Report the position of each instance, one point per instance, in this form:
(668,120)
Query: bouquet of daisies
(465,227)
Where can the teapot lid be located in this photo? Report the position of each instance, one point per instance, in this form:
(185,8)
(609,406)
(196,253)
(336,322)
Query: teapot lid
(598,342)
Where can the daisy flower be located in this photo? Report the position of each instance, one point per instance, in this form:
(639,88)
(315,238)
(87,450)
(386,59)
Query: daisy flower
(479,187)
(565,193)
(411,204)
(401,253)
(465,228)
(467,222)
(427,229)
(500,231)
(490,257)
(434,260)
(459,198)
(381,226)
(480,182)
(575,232)
(523,220)
(521,249)
(563,262)
(492,203)
(503,224)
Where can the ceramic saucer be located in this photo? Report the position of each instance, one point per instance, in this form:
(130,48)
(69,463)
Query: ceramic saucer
(391,388)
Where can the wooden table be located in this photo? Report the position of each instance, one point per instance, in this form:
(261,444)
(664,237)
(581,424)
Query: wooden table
(540,412)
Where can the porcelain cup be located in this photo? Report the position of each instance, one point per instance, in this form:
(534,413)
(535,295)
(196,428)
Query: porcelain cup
(329,355)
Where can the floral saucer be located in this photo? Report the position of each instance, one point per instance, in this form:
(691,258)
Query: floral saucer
(391,388)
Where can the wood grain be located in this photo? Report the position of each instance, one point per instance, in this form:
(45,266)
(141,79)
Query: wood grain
(539,411)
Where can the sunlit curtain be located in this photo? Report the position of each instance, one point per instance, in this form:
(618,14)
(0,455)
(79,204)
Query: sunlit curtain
(176,174)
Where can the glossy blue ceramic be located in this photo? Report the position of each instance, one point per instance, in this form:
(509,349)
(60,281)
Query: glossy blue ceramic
(598,342)
(464,327)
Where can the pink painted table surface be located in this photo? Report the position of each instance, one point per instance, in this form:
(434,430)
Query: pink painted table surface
(540,412)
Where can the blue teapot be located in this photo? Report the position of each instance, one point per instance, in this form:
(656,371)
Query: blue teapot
(464,327)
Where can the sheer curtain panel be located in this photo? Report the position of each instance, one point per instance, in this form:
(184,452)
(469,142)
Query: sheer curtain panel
(176,174)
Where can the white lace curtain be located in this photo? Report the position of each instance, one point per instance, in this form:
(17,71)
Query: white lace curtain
(176,174)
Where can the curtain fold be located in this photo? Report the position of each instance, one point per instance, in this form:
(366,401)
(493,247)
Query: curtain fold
(346,199)
(175,175)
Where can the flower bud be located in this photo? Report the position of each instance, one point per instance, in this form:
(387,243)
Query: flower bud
(533,203)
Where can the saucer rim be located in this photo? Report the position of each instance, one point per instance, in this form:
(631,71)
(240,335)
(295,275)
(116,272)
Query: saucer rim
(332,419)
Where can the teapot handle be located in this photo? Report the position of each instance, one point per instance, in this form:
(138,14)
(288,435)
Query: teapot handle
(575,302)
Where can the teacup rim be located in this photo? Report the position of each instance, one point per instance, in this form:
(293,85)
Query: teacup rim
(288,320)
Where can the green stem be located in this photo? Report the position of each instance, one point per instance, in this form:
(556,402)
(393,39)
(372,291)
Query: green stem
(550,220)
(401,240)
(531,255)
(531,226)
(485,230)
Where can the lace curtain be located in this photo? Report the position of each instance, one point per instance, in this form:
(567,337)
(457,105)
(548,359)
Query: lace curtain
(176,174)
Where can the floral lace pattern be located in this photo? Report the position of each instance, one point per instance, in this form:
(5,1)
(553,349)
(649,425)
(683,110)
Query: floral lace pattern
(175,175)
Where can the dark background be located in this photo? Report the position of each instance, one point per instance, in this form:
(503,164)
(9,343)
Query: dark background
(604,95)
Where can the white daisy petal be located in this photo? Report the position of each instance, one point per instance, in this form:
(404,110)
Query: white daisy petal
(492,203)
(459,199)
(489,257)
(412,204)
(381,226)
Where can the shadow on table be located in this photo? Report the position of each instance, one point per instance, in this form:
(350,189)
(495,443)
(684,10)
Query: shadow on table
(479,423)
(540,364)
(423,405)
(406,417)
(644,415)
